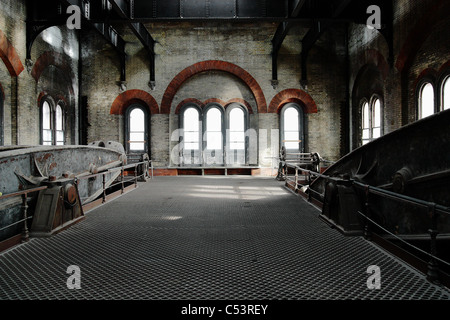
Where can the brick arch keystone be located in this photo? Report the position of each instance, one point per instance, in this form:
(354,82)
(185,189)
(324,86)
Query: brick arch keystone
(9,56)
(213,65)
(127,98)
(293,95)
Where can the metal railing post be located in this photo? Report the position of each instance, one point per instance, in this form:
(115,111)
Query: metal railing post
(433,268)
(121,179)
(135,175)
(367,229)
(296,178)
(104,188)
(25,233)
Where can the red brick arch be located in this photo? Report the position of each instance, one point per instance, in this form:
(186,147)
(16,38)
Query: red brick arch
(9,56)
(127,98)
(376,58)
(214,100)
(52,58)
(213,65)
(293,95)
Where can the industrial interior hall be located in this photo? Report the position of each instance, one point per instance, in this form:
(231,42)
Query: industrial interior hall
(224,150)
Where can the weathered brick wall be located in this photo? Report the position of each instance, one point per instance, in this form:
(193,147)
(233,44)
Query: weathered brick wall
(56,51)
(332,76)
(21,111)
(411,21)
(12,16)
(180,45)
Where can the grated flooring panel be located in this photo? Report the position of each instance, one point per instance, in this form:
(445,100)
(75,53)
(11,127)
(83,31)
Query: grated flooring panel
(207,238)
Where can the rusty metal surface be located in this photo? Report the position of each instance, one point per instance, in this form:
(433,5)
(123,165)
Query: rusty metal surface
(22,167)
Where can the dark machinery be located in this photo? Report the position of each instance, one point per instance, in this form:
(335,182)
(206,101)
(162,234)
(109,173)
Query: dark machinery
(396,188)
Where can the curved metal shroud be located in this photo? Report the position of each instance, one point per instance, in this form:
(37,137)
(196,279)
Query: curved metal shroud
(413,161)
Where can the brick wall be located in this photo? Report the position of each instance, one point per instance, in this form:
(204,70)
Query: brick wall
(335,81)
(421,42)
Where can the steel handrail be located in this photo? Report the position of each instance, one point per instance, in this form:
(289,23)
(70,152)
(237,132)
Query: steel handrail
(24,194)
(433,210)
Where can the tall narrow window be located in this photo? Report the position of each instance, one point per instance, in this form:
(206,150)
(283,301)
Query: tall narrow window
(365,123)
(59,125)
(376,119)
(371,120)
(426,101)
(191,128)
(446,94)
(292,128)
(237,129)
(137,130)
(213,129)
(47,136)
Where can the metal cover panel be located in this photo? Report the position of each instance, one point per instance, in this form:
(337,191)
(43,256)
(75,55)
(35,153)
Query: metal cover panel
(193,8)
(45,210)
(222,8)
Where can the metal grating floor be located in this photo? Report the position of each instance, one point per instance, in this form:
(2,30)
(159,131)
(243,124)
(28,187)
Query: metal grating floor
(207,238)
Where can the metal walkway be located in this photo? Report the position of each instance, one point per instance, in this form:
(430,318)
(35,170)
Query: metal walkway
(207,238)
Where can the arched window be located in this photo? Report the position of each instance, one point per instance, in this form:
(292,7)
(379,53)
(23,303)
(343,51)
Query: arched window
(446,93)
(426,100)
(47,134)
(292,128)
(236,140)
(59,125)
(136,129)
(237,129)
(376,119)
(365,123)
(214,136)
(191,128)
(371,120)
(52,122)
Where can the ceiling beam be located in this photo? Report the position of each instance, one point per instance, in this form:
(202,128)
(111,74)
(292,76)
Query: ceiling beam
(319,26)
(125,11)
(280,35)
(316,31)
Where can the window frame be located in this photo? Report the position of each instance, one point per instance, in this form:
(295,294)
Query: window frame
(181,125)
(203,133)
(128,111)
(371,106)
(62,105)
(419,91)
(52,114)
(444,80)
(246,120)
(301,126)
(204,117)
